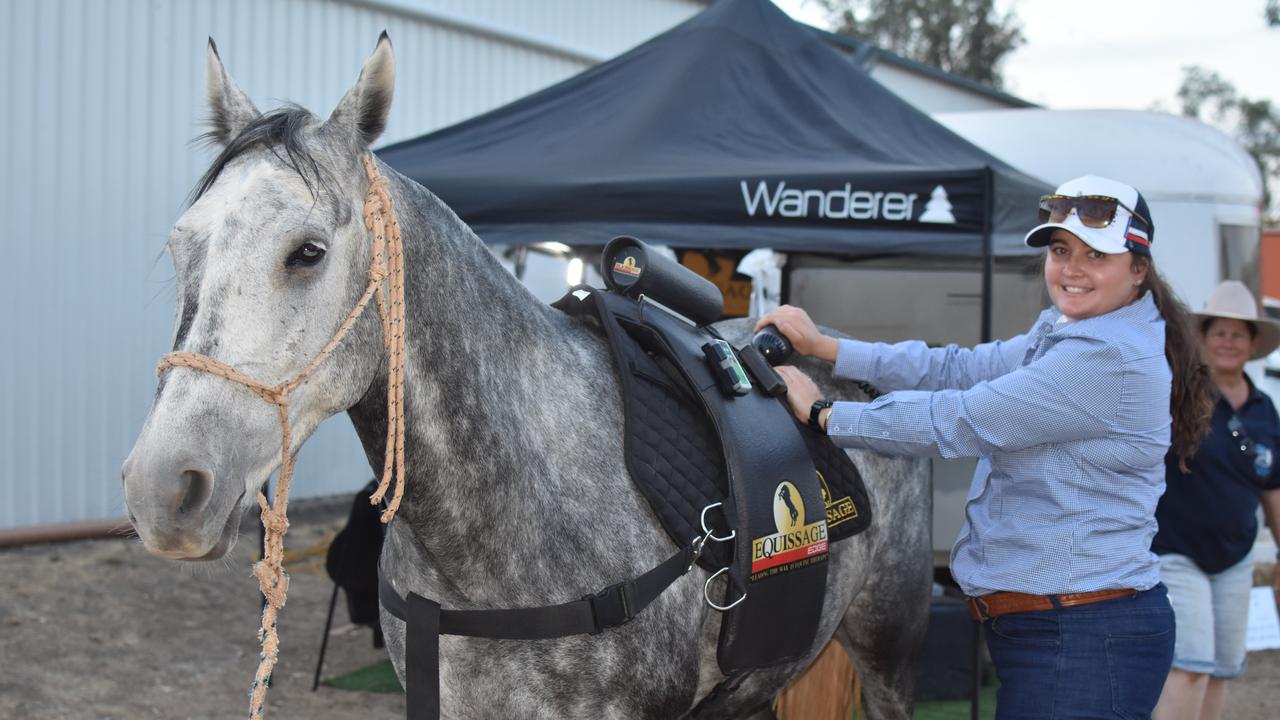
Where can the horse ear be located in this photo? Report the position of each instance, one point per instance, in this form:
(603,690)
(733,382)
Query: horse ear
(229,108)
(363,110)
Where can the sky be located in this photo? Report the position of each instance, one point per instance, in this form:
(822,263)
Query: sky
(1127,54)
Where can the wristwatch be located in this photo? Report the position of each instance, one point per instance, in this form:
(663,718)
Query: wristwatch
(814,411)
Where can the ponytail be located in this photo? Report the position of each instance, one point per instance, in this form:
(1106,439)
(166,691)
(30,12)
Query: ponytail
(1191,397)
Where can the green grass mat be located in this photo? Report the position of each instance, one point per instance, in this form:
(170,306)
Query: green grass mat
(958,709)
(378,678)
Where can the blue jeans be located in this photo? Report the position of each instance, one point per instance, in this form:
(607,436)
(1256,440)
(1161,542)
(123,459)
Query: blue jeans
(1105,660)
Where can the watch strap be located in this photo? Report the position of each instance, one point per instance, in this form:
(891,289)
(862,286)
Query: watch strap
(815,412)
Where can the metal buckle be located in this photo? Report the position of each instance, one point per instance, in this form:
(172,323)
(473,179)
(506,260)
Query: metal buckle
(706,593)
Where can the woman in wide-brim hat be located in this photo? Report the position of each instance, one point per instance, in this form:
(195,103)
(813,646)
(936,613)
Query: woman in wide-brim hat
(1208,514)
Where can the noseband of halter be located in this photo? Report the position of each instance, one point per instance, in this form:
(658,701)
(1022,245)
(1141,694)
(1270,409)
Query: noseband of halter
(387,264)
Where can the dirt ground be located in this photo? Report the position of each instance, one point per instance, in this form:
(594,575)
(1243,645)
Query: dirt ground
(102,630)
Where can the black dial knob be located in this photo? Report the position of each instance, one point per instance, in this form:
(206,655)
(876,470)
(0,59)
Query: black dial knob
(772,344)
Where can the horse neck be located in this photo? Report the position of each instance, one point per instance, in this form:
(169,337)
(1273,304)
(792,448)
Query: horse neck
(492,377)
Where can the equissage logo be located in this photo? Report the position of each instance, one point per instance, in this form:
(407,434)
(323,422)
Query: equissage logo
(843,203)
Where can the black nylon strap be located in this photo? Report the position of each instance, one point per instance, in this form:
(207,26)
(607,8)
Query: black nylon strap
(422,649)
(425,622)
(718,695)
(608,608)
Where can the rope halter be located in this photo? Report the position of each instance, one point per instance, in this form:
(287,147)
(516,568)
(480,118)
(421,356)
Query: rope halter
(386,265)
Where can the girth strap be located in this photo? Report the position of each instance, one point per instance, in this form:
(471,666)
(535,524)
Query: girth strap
(425,622)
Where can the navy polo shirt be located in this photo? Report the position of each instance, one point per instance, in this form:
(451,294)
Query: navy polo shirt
(1210,514)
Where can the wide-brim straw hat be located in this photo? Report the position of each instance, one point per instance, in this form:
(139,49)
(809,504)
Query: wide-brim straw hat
(1233,300)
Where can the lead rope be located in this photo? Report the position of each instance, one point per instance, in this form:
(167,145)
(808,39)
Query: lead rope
(387,264)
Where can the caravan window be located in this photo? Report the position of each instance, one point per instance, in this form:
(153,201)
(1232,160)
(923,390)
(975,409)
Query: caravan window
(1238,254)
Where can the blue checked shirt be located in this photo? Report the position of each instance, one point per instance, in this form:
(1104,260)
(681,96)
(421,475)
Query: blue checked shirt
(1070,423)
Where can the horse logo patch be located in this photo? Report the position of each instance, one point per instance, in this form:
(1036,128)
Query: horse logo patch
(797,543)
(628,266)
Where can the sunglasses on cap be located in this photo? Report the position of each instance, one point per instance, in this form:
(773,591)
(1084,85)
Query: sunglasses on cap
(1094,211)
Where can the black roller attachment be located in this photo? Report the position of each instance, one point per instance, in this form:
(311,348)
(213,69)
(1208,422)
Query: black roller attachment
(632,268)
(772,344)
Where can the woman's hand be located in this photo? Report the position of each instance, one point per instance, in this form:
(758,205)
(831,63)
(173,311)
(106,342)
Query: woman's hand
(795,324)
(801,391)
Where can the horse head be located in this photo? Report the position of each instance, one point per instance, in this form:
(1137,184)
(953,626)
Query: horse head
(270,257)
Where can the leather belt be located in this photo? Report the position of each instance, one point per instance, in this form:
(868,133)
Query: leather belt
(1003,603)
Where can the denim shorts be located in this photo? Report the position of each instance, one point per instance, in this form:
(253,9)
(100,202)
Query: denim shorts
(1212,613)
(1104,660)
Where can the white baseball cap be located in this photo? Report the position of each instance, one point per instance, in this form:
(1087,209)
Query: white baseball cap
(1130,228)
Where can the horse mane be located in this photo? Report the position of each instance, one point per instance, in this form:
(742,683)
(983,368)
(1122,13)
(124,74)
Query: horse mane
(279,129)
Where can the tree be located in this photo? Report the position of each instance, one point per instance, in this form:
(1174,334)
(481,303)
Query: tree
(1272,13)
(1255,124)
(965,37)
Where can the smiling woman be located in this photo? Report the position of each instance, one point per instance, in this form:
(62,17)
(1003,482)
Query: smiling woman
(1072,421)
(1084,282)
(1208,515)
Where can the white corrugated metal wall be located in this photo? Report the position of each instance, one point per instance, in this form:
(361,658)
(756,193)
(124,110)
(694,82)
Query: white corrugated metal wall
(101,101)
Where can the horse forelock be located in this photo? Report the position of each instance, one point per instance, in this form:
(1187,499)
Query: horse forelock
(281,132)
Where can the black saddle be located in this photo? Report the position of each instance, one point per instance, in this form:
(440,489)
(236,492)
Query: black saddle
(722,462)
(725,465)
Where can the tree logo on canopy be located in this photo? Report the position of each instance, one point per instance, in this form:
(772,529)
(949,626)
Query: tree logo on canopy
(938,209)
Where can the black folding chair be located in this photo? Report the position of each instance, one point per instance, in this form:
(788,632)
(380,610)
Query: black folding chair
(352,562)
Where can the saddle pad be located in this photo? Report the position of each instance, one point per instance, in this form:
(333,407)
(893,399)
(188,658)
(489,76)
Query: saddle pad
(674,455)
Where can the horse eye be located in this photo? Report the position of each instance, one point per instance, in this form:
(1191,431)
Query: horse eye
(306,254)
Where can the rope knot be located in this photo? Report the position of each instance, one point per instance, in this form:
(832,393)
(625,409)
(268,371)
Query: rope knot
(276,522)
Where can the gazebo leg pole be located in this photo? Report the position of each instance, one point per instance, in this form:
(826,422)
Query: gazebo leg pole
(324,639)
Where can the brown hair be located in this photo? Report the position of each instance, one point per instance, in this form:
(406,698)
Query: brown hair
(1205,322)
(1192,395)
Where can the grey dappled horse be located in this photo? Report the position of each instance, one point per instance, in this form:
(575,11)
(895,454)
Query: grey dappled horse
(517,494)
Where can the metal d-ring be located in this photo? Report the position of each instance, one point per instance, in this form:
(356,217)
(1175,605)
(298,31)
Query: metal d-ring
(711,533)
(706,593)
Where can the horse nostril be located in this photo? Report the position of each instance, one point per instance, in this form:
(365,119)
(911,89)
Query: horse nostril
(196,488)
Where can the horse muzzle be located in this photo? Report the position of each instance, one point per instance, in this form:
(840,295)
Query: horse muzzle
(182,508)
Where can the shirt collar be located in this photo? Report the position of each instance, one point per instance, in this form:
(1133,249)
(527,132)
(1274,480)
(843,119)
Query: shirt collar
(1143,309)
(1254,395)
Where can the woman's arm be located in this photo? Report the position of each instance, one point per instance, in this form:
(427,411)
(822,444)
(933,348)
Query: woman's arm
(1271,510)
(909,365)
(1073,392)
(913,365)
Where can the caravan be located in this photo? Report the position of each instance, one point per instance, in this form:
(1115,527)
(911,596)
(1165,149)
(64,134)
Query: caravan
(1204,190)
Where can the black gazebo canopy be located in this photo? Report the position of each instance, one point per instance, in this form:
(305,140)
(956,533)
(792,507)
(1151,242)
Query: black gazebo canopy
(739,128)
